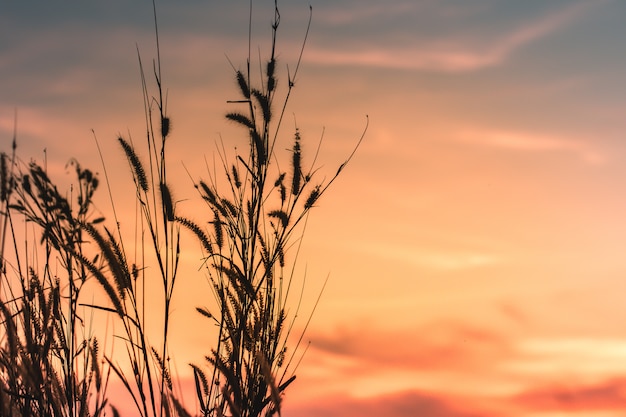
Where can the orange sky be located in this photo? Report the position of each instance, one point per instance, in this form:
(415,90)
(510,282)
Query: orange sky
(476,245)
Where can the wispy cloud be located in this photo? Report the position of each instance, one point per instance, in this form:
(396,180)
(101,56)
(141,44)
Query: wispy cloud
(472,362)
(440,345)
(604,395)
(37,129)
(462,52)
(575,356)
(441,356)
(403,404)
(432,258)
(533,142)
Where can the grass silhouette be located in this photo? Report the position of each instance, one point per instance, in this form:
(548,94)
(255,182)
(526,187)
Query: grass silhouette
(256,211)
(48,366)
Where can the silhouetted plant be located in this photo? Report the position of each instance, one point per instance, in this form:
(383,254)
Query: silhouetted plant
(255,223)
(250,249)
(49,366)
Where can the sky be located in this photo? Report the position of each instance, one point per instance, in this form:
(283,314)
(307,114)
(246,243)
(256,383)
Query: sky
(476,244)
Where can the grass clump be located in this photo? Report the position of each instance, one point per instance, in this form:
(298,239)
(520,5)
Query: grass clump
(50,363)
(256,223)
(255,216)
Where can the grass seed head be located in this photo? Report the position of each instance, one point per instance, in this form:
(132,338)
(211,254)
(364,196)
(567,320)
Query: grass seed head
(264,103)
(271,80)
(241,119)
(209,195)
(296,165)
(243,84)
(236,179)
(166,199)
(133,158)
(315,194)
(219,232)
(166,126)
(259,146)
(197,230)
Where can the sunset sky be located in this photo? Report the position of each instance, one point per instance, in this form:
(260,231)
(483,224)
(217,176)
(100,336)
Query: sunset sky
(476,245)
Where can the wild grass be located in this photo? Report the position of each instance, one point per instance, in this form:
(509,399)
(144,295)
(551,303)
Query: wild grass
(50,364)
(256,212)
(256,222)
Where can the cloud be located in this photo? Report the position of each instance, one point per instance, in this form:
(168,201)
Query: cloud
(589,356)
(37,131)
(604,395)
(457,53)
(433,58)
(513,313)
(402,404)
(436,346)
(444,259)
(608,395)
(444,356)
(533,143)
(447,260)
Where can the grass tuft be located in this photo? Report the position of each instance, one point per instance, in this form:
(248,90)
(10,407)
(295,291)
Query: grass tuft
(50,366)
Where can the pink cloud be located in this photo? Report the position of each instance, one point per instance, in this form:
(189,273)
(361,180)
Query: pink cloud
(534,142)
(440,345)
(604,395)
(402,404)
(609,395)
